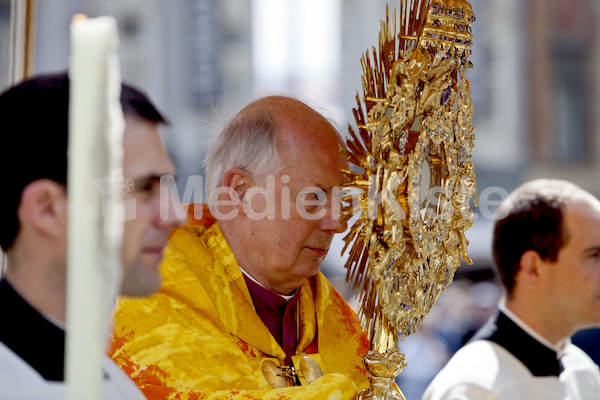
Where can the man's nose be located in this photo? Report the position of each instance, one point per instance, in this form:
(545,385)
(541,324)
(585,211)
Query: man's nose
(333,221)
(172,214)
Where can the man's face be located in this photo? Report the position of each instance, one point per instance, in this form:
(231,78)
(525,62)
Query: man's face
(144,237)
(574,279)
(290,244)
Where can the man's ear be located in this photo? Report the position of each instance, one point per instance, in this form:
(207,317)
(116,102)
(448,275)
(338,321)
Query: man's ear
(43,207)
(239,181)
(530,263)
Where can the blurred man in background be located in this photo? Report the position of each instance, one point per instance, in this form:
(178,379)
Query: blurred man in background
(547,251)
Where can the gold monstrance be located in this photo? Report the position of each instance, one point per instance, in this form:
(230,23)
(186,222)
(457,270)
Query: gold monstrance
(415,179)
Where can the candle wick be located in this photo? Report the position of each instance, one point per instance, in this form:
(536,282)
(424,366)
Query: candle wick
(79,17)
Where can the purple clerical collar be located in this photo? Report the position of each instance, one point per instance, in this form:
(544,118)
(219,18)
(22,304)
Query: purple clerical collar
(277,313)
(247,277)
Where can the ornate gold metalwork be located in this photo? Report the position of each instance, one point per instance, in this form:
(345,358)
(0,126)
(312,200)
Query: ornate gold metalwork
(304,370)
(413,175)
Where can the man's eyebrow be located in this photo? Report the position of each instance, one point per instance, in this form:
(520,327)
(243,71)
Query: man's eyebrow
(144,180)
(318,187)
(592,250)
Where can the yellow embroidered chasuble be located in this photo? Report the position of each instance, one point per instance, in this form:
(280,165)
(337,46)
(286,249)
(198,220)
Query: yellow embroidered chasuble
(199,337)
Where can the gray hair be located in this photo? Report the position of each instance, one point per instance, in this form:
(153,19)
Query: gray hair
(248,142)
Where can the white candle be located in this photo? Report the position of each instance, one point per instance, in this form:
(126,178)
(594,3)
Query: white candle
(94,233)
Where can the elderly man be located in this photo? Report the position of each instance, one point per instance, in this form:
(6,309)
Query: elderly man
(244,311)
(547,251)
(33,232)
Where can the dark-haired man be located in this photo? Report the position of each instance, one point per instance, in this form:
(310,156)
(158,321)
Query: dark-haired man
(33,231)
(547,251)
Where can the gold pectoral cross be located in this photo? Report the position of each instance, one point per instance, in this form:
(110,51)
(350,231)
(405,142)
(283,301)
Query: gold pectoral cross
(305,369)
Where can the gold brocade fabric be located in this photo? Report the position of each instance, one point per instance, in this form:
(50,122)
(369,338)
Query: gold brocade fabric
(199,337)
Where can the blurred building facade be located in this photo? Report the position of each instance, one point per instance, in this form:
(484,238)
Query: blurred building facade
(535,81)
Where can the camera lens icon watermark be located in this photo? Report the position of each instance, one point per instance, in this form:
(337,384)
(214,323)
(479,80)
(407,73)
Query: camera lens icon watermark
(115,193)
(117,204)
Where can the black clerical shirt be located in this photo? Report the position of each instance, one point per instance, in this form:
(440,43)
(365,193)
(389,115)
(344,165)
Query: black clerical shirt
(539,359)
(32,337)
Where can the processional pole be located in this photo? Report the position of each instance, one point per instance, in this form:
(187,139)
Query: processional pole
(413,174)
(22,40)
